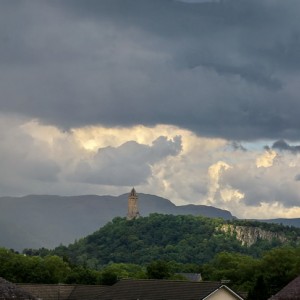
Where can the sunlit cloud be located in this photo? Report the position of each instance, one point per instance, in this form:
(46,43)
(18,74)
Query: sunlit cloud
(266,159)
(175,163)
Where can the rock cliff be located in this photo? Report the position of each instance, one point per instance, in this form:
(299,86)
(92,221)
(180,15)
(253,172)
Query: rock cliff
(249,235)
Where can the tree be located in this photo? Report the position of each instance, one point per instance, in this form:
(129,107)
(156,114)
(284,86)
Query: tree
(57,268)
(260,290)
(158,270)
(81,275)
(109,277)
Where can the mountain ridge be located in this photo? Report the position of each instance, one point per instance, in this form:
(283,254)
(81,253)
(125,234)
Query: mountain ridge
(50,220)
(35,221)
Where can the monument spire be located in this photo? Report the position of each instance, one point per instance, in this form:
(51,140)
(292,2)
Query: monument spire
(133,209)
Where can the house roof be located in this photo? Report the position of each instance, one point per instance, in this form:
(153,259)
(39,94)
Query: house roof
(9,290)
(191,276)
(162,289)
(88,292)
(128,289)
(289,292)
(64,291)
(48,291)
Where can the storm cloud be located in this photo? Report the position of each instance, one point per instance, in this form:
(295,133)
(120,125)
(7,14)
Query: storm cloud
(175,97)
(219,68)
(282,145)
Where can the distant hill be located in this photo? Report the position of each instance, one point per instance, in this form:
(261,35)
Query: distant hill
(184,239)
(36,221)
(287,222)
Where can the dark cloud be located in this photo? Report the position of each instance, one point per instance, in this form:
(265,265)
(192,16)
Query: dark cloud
(220,68)
(284,146)
(238,146)
(26,165)
(126,165)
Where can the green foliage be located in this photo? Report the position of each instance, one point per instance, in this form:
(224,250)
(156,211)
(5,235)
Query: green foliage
(158,270)
(279,266)
(126,270)
(184,239)
(160,246)
(237,268)
(259,291)
(81,275)
(109,277)
(53,269)
(261,277)
(56,267)
(50,269)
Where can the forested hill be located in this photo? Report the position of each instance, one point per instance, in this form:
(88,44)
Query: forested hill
(36,221)
(184,239)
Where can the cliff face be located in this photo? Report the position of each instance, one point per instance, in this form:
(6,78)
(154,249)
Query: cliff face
(249,235)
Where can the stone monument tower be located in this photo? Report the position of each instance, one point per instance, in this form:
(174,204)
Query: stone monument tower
(133,209)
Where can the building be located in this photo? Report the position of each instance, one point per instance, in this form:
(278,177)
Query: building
(289,292)
(10,291)
(149,289)
(64,291)
(191,276)
(133,209)
(129,289)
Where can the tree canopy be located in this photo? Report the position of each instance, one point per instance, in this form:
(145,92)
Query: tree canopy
(184,239)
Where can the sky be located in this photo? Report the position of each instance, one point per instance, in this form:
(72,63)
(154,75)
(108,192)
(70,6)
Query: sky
(196,101)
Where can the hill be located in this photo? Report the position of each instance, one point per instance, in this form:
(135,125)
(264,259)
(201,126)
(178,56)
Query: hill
(287,222)
(36,221)
(184,239)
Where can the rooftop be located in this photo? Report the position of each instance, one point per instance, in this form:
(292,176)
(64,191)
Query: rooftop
(162,289)
(289,292)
